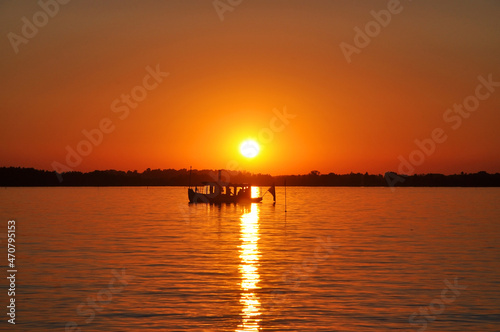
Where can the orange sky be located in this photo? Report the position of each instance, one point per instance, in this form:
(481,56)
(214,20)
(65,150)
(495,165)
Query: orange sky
(228,78)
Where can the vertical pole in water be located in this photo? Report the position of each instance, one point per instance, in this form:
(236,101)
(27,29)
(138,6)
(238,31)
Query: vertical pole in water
(285,195)
(190,177)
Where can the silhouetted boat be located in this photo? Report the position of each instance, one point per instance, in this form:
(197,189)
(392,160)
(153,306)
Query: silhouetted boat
(224,192)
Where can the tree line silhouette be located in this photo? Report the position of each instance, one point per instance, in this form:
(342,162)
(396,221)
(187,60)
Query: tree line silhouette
(30,177)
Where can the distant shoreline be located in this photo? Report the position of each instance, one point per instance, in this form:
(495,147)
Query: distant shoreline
(278,186)
(30,177)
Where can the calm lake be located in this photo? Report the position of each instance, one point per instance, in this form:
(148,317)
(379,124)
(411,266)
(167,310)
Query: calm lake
(339,259)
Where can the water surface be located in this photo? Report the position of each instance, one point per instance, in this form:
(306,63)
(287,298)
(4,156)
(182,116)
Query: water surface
(339,259)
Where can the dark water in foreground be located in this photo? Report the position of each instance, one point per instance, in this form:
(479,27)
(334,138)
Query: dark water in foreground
(341,259)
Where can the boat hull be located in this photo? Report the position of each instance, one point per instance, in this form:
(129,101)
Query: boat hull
(195,197)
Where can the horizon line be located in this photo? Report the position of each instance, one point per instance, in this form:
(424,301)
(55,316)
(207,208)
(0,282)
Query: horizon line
(252,173)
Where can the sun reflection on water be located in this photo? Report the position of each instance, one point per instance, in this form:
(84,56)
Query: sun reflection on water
(249,270)
(255,193)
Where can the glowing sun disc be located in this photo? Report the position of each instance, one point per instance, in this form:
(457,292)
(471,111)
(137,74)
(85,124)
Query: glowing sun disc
(249,148)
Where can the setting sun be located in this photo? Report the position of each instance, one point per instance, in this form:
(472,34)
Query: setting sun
(261,164)
(249,148)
